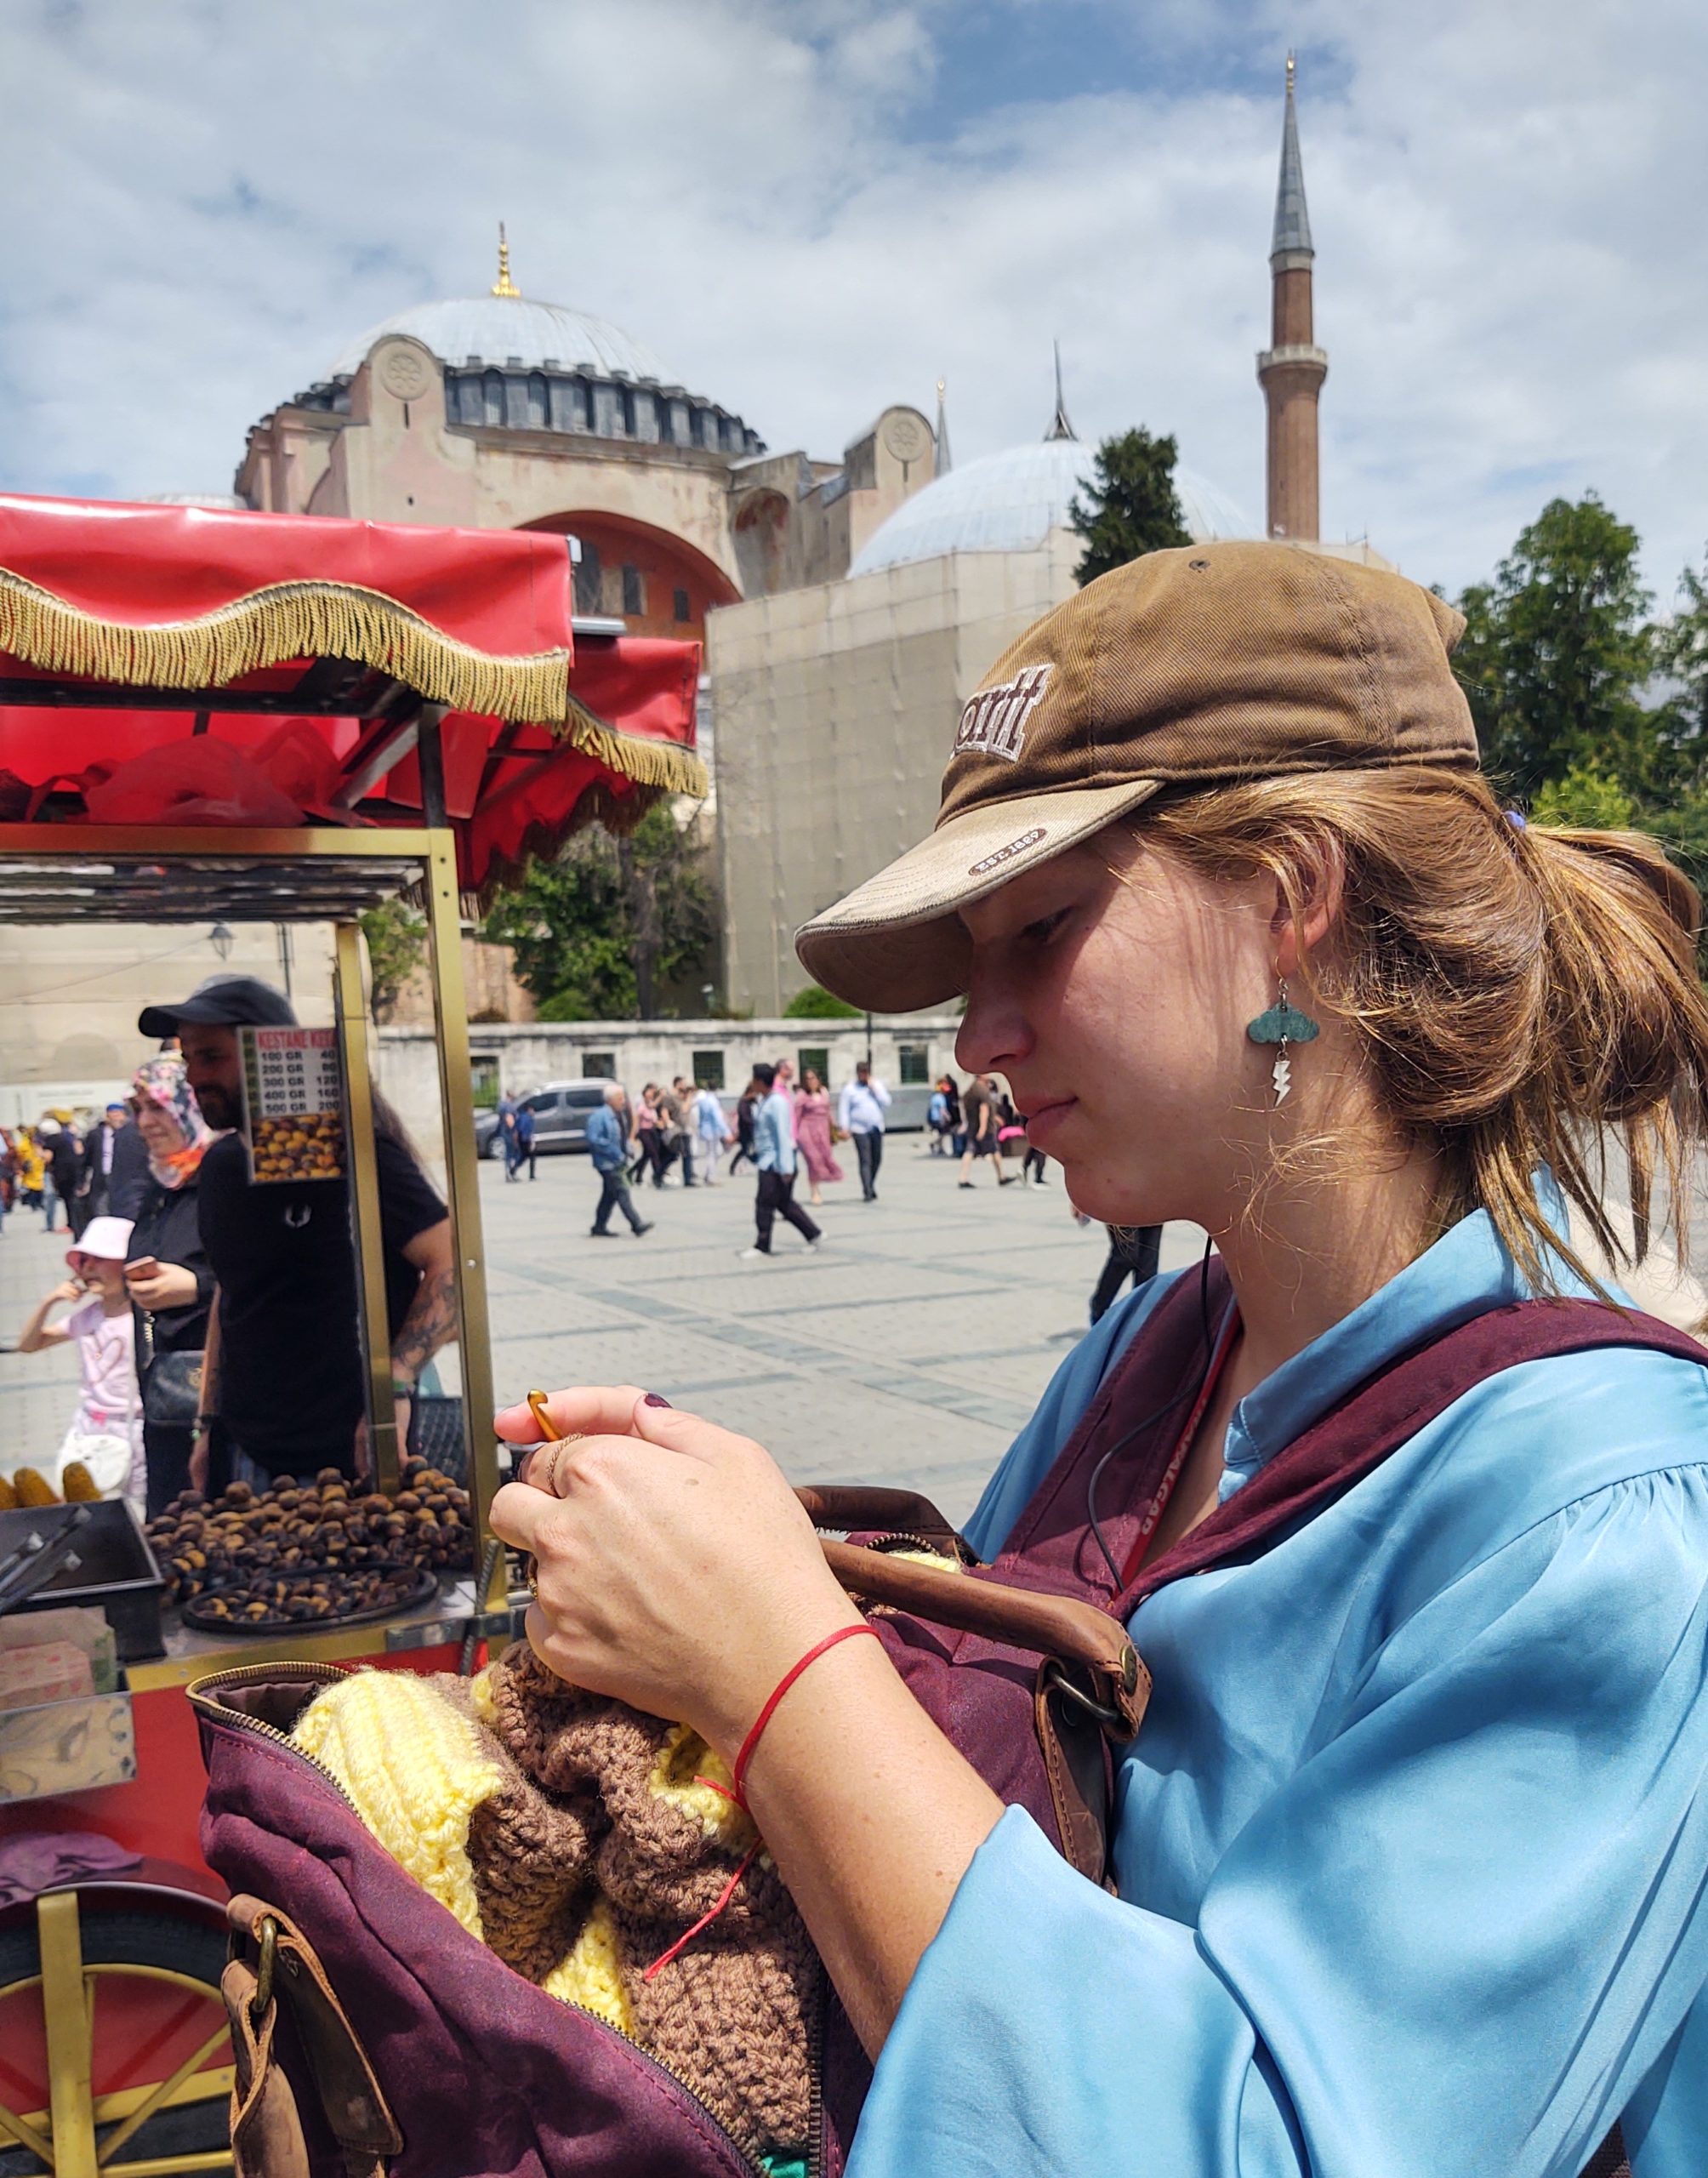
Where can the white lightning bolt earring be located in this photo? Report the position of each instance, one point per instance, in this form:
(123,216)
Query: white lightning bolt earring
(1282,1025)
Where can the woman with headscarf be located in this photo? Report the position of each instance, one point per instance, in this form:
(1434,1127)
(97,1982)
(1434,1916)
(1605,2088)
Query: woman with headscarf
(170,1280)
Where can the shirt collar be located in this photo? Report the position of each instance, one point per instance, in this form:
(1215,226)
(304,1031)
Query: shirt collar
(1465,1274)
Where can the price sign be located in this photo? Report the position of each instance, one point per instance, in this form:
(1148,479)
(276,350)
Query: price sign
(295,1104)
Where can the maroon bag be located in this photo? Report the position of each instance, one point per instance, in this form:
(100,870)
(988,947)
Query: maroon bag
(415,2050)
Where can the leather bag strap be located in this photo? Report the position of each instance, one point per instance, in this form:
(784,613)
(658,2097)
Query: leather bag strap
(850,1506)
(355,2108)
(1059,1627)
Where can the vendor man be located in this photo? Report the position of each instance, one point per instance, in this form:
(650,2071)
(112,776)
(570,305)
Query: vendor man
(283,1383)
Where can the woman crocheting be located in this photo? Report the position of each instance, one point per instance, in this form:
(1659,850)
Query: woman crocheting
(1410,1852)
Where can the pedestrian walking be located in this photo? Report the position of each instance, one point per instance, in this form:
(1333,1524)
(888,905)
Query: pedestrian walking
(747,1115)
(527,1151)
(608,1146)
(1133,1252)
(101,1147)
(643,1121)
(649,1123)
(979,1125)
(507,1134)
(1010,1132)
(32,1168)
(860,1114)
(813,1134)
(774,1154)
(64,1158)
(711,1129)
(677,1103)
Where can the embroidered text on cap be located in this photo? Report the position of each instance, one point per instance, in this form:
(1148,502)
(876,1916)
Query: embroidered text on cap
(1014,847)
(994,722)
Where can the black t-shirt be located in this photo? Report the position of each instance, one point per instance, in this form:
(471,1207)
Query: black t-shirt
(284,1255)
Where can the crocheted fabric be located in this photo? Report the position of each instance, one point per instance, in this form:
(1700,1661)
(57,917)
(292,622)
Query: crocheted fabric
(567,1832)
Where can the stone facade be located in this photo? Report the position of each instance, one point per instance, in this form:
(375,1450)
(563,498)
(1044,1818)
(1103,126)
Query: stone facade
(908,1053)
(675,504)
(834,709)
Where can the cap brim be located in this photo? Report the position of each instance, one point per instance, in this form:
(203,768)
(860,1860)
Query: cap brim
(199,1012)
(897,943)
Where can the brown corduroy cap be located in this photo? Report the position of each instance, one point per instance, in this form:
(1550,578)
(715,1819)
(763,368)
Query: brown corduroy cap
(1212,662)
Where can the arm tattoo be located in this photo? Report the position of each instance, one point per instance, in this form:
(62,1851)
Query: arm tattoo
(430,1323)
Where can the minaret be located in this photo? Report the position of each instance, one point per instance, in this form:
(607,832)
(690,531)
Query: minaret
(941,463)
(1060,427)
(1291,370)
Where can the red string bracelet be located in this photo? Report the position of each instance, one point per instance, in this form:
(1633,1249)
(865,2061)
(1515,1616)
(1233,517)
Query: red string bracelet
(736,1789)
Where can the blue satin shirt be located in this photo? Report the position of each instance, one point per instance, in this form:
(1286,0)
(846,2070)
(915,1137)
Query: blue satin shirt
(1412,1847)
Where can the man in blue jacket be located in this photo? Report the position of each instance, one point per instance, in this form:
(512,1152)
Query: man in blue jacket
(774,1153)
(609,1152)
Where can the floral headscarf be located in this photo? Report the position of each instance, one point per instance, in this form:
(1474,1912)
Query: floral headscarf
(163,1083)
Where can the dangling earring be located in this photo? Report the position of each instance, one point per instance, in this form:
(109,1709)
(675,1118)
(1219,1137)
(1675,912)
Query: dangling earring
(1282,1025)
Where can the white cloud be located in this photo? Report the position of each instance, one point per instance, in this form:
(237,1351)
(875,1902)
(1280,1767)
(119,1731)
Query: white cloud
(209,197)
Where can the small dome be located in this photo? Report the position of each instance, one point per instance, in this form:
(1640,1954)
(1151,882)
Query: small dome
(1009,502)
(497,327)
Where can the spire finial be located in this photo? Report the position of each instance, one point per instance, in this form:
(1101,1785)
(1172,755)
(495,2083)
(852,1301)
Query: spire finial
(1060,427)
(1292,234)
(940,463)
(503,285)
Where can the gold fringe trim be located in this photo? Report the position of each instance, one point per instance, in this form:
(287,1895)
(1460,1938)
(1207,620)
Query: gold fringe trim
(287,620)
(659,764)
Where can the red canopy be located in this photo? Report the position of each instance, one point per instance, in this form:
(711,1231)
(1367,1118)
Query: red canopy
(289,656)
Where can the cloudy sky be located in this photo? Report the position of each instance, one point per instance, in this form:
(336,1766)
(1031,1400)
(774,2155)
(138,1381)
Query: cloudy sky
(812,208)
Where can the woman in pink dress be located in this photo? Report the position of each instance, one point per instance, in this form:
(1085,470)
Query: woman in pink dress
(812,1133)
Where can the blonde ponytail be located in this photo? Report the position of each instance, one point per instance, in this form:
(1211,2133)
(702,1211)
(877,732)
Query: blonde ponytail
(1521,991)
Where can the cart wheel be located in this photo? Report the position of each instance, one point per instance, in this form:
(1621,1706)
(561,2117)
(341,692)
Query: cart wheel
(117,2058)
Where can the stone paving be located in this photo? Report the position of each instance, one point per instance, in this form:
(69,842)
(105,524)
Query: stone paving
(910,1350)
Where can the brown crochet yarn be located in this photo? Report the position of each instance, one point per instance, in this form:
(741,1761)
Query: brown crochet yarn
(733,2015)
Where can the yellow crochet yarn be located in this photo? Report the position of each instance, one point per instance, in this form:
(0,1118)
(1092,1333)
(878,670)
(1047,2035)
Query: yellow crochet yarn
(415,1770)
(684,1758)
(591,1975)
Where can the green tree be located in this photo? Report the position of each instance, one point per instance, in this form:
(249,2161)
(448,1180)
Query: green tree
(396,945)
(1586,798)
(1556,653)
(814,1004)
(1681,649)
(1130,506)
(597,933)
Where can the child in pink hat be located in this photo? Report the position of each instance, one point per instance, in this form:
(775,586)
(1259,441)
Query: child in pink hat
(106,1430)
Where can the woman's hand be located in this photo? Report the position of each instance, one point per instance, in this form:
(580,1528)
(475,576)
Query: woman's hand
(155,1285)
(676,1568)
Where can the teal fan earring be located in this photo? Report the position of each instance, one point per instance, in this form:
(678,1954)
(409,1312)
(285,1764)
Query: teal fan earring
(1282,1025)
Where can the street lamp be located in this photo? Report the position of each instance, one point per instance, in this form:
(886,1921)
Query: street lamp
(220,938)
(707,992)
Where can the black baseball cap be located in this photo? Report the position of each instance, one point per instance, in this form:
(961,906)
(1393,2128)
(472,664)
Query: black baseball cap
(222,1002)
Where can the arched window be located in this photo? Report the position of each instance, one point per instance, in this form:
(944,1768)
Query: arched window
(590,577)
(493,390)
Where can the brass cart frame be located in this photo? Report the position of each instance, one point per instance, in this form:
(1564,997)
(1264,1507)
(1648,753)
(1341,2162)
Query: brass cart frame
(90,873)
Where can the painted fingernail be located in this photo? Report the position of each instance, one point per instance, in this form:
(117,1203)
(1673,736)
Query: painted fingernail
(655,1398)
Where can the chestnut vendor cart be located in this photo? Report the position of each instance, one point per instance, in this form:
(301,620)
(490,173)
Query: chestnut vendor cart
(418,705)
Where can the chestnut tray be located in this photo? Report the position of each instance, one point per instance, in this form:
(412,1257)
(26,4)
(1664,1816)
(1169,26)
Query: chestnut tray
(421,1589)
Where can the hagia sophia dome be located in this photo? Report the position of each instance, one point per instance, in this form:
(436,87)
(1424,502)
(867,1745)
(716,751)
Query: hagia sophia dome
(513,330)
(1011,501)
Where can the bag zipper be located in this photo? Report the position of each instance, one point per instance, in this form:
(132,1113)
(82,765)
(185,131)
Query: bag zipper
(201,1695)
